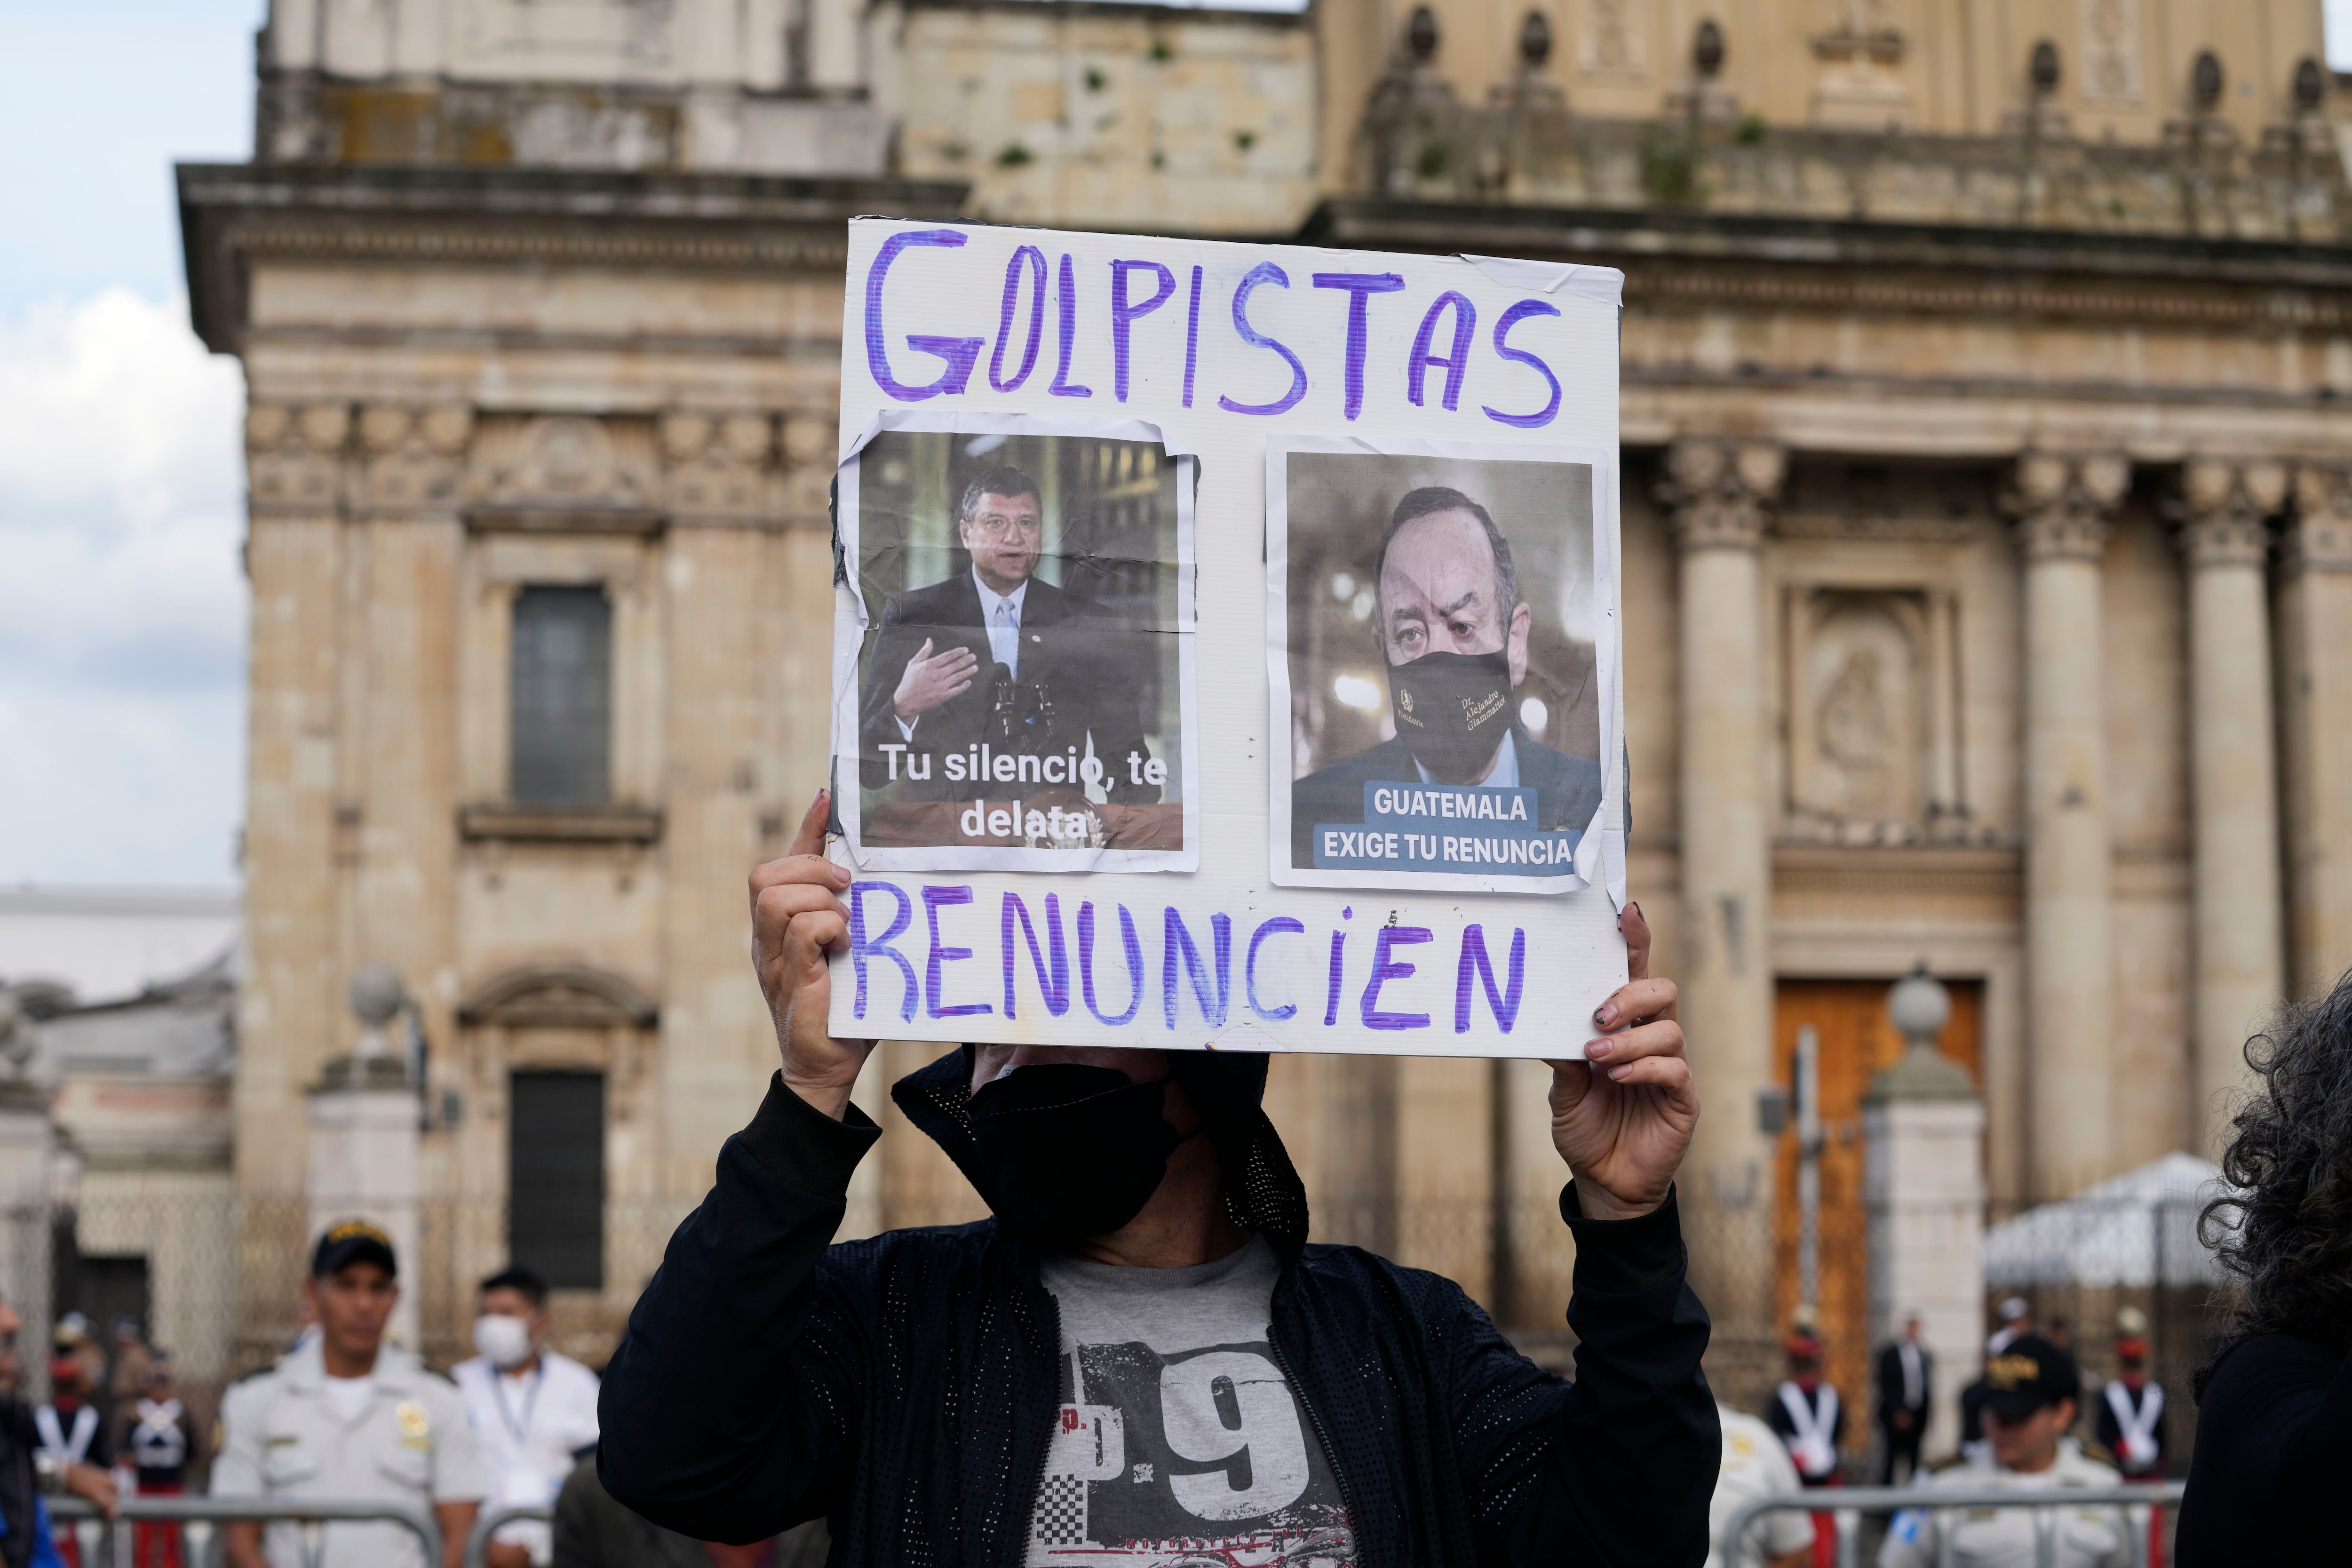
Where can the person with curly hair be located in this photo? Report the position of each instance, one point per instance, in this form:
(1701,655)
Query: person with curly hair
(2275,1428)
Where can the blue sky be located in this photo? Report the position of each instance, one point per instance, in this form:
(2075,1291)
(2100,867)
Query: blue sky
(122,653)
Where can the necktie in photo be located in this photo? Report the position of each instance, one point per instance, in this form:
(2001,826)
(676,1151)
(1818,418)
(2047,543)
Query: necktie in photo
(1005,636)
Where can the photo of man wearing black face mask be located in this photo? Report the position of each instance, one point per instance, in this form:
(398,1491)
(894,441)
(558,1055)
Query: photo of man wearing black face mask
(1140,1359)
(1452,629)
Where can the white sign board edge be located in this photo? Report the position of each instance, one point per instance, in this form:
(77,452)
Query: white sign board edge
(950,291)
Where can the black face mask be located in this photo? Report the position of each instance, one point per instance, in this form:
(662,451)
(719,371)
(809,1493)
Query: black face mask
(1452,709)
(1069,1151)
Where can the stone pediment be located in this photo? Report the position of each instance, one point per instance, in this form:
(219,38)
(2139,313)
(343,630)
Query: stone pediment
(564,461)
(559,996)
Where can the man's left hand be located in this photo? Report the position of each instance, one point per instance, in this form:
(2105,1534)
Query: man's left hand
(1623,1117)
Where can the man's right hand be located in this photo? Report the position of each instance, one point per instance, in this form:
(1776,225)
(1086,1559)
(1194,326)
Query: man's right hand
(797,918)
(930,681)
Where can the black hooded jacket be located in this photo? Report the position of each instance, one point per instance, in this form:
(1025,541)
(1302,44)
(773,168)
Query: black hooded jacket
(905,1386)
(19,1486)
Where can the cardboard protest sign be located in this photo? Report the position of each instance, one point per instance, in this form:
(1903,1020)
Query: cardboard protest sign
(1225,645)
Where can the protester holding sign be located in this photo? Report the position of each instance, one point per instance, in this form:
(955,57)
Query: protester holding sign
(1139,1359)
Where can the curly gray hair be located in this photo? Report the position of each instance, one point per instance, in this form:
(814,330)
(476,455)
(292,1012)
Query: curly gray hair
(2285,1233)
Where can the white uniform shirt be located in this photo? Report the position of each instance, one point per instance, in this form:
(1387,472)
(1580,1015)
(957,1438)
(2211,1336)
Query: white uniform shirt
(1754,1466)
(408,1443)
(2004,1538)
(528,1427)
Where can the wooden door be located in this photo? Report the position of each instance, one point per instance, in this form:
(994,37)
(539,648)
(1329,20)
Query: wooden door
(1856,1041)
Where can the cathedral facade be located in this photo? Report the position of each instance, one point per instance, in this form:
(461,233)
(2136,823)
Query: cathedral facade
(1988,553)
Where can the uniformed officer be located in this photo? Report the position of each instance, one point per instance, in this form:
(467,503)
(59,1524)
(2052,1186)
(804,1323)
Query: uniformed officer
(350,1418)
(155,1438)
(1755,1464)
(2131,1408)
(2130,1421)
(2028,1408)
(1810,1420)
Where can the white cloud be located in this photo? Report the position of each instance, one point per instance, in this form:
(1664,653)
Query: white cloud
(121,646)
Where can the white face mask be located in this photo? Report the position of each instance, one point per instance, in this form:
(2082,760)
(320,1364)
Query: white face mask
(506,1340)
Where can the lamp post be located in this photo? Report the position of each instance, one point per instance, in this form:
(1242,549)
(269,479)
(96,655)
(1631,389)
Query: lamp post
(363,1146)
(1920,1007)
(1923,1146)
(376,996)
(1809,1166)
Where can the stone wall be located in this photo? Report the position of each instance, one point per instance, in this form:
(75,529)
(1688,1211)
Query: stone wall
(423,439)
(2121,71)
(2200,179)
(1106,116)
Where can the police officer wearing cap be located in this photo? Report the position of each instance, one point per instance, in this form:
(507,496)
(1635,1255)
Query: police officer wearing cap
(349,1417)
(2028,1409)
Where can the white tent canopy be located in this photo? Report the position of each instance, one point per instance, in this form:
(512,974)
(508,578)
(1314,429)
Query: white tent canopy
(2136,1229)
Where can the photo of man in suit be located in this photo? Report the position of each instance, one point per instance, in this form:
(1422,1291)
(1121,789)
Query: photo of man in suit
(997,657)
(1451,631)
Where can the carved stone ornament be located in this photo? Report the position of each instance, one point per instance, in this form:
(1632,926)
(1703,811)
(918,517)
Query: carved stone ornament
(809,440)
(566,460)
(2225,508)
(2065,502)
(2319,536)
(1720,491)
(413,457)
(1611,35)
(559,996)
(1863,33)
(294,455)
(721,463)
(2111,51)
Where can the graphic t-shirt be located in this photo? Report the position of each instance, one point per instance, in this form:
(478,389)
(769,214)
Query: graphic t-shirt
(1178,1439)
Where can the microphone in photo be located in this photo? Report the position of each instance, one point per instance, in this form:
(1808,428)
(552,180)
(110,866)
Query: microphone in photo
(1004,707)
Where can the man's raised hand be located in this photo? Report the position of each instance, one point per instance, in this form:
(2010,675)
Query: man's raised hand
(797,918)
(1623,1118)
(931,681)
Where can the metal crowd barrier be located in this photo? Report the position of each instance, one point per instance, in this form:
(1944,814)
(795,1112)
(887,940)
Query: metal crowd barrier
(478,1538)
(116,1537)
(1845,1504)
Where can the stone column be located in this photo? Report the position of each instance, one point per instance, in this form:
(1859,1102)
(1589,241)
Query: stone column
(1924,1188)
(2239,945)
(1718,492)
(2315,632)
(364,1144)
(2063,506)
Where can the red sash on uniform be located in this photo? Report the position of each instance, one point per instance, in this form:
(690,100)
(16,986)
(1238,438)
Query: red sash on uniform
(155,1542)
